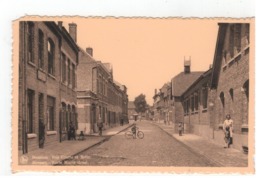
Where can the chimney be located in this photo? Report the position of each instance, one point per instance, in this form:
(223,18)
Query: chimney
(89,50)
(73,31)
(187,66)
(60,24)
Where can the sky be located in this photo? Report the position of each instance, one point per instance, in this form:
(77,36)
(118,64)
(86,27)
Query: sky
(146,53)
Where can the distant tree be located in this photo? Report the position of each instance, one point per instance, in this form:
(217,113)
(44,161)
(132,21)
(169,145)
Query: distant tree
(140,104)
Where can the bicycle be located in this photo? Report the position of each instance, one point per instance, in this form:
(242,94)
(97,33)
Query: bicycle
(139,134)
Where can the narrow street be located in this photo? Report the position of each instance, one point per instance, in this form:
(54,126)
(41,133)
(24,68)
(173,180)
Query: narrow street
(157,148)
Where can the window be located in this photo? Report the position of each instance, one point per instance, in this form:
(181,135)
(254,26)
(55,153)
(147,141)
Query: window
(231,92)
(73,76)
(237,38)
(196,101)
(75,116)
(185,107)
(50,57)
(188,106)
(30,41)
(69,72)
(222,99)
(63,68)
(246,89)
(97,85)
(41,108)
(50,113)
(231,41)
(247,33)
(69,114)
(30,111)
(192,103)
(64,123)
(41,49)
(204,97)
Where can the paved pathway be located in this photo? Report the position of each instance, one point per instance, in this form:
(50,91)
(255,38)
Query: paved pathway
(217,153)
(157,148)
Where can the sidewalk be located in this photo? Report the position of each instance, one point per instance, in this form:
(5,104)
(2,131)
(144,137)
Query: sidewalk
(223,157)
(56,153)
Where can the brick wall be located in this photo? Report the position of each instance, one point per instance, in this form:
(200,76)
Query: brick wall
(232,76)
(234,73)
(38,80)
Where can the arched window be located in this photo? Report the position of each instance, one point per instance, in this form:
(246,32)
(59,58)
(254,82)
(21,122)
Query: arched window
(50,57)
(30,36)
(69,114)
(231,92)
(246,89)
(222,99)
(63,118)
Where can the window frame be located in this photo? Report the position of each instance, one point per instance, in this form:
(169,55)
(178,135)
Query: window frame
(51,57)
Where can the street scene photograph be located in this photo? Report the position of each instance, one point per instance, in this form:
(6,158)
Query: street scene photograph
(134,92)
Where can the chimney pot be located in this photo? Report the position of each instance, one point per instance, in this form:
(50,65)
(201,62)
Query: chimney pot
(187,64)
(60,24)
(73,31)
(89,50)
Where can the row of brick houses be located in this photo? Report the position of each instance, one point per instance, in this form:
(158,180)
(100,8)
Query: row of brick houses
(201,100)
(61,85)
(99,96)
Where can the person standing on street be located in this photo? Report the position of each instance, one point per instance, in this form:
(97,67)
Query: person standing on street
(72,132)
(41,134)
(180,128)
(228,130)
(100,126)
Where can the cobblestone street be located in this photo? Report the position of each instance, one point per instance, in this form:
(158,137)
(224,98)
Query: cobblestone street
(157,148)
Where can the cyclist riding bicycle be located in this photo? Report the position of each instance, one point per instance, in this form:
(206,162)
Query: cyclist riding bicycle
(134,129)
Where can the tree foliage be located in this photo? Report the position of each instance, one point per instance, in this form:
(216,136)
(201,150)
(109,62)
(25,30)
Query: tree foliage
(140,104)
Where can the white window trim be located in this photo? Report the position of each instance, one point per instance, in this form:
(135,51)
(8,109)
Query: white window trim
(31,135)
(51,132)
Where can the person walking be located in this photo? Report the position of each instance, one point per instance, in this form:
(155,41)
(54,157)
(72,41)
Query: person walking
(100,126)
(180,128)
(228,130)
(41,134)
(71,132)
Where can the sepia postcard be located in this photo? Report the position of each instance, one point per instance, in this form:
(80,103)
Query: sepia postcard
(133,95)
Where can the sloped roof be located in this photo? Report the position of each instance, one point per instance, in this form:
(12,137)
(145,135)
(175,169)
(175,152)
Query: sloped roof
(131,105)
(202,76)
(182,81)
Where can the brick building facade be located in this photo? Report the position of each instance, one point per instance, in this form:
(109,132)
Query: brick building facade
(162,107)
(41,86)
(180,83)
(222,90)
(99,96)
(230,81)
(131,110)
(196,106)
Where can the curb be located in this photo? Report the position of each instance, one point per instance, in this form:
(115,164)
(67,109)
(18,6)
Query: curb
(217,164)
(106,138)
